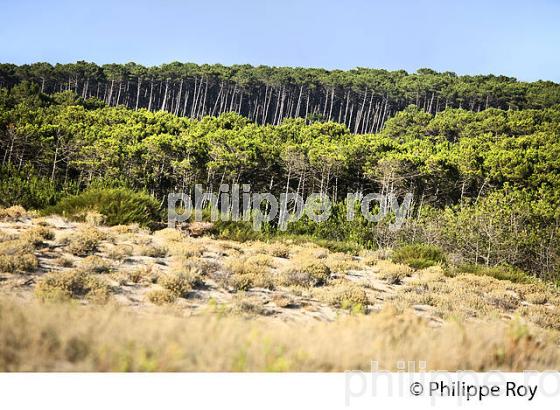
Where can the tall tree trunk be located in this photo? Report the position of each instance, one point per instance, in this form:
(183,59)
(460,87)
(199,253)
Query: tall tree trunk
(138,88)
(164,103)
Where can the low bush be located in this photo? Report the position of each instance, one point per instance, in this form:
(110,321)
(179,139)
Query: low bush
(279,250)
(177,283)
(72,284)
(418,255)
(37,235)
(247,272)
(23,262)
(161,296)
(502,272)
(393,273)
(153,251)
(344,295)
(144,275)
(12,213)
(96,264)
(307,272)
(119,206)
(85,241)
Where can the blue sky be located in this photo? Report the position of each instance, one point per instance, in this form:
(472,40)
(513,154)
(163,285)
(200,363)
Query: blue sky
(517,38)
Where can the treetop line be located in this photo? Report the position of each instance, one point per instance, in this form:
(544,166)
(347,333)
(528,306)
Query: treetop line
(363,99)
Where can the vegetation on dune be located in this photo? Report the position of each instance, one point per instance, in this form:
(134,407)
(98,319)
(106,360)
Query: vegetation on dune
(485,183)
(106,314)
(119,206)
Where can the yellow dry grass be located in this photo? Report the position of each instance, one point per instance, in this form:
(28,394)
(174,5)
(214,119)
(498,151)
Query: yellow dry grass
(48,337)
(12,213)
(85,241)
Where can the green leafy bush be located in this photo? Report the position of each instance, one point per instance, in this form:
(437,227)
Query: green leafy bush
(120,206)
(418,255)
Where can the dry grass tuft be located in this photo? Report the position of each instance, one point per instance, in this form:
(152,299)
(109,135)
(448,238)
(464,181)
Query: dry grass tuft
(306,271)
(72,284)
(161,296)
(180,284)
(144,275)
(247,272)
(36,235)
(85,241)
(18,263)
(393,273)
(96,264)
(169,235)
(342,263)
(279,250)
(186,249)
(345,295)
(153,251)
(13,213)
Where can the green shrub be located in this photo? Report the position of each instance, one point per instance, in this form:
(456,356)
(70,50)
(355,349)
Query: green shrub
(502,272)
(120,206)
(418,255)
(26,188)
